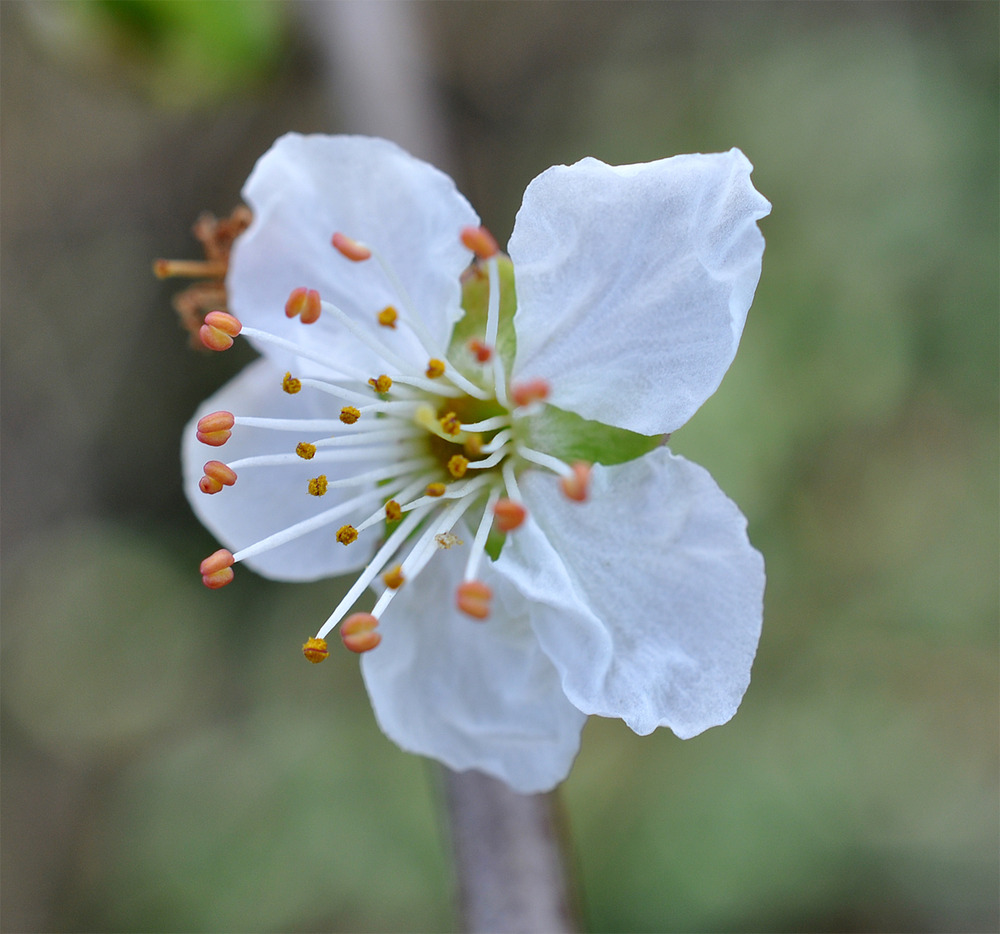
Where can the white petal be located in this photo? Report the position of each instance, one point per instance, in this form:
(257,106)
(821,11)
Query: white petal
(648,597)
(306,188)
(474,695)
(265,500)
(634,282)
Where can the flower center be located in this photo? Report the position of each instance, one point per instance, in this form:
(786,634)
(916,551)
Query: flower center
(407,452)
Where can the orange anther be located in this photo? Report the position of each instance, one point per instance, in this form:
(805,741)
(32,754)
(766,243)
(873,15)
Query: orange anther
(435,368)
(358,632)
(217,569)
(219,329)
(215,429)
(482,352)
(349,415)
(393,578)
(291,385)
(473,598)
(315,650)
(352,249)
(387,317)
(381,384)
(532,390)
(480,241)
(347,534)
(305,450)
(576,484)
(458,465)
(217,475)
(305,303)
(509,514)
(435,489)
(393,511)
(317,485)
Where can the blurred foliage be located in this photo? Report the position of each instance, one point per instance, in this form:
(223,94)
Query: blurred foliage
(170,764)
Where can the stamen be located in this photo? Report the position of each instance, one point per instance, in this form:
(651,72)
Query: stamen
(347,534)
(509,514)
(318,485)
(354,250)
(219,329)
(392,511)
(473,444)
(482,352)
(315,650)
(304,302)
(388,316)
(492,329)
(381,384)
(393,578)
(531,390)
(217,475)
(305,450)
(215,429)
(435,489)
(545,460)
(349,414)
(457,466)
(482,532)
(487,424)
(217,569)
(576,485)
(358,632)
(450,424)
(480,241)
(291,385)
(435,368)
(473,598)
(499,440)
(190,268)
(510,481)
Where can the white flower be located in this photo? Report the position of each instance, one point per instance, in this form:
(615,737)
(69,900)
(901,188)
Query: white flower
(627,588)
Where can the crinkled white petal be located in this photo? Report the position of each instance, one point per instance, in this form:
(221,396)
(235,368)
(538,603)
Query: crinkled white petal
(648,598)
(265,500)
(306,188)
(474,695)
(634,282)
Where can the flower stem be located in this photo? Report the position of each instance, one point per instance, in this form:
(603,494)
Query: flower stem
(508,858)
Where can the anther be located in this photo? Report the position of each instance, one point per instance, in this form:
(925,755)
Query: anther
(458,465)
(190,268)
(358,632)
(315,650)
(349,415)
(352,249)
(305,450)
(473,598)
(435,368)
(217,475)
(219,329)
(482,352)
(381,384)
(450,424)
(480,241)
(532,390)
(317,485)
(304,302)
(435,489)
(576,484)
(388,316)
(393,578)
(509,514)
(215,429)
(347,534)
(217,569)
(393,511)
(291,385)
(473,445)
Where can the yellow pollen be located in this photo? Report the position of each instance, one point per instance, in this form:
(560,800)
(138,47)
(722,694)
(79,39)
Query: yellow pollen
(448,540)
(387,317)
(435,368)
(393,511)
(393,578)
(347,534)
(317,486)
(450,424)
(458,465)
(290,384)
(315,650)
(473,444)
(349,415)
(435,489)
(305,450)
(382,384)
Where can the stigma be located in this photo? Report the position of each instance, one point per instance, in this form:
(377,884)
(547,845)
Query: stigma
(406,460)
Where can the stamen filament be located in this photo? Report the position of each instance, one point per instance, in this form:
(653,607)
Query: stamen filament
(545,460)
(266,337)
(327,457)
(389,493)
(490,461)
(493,328)
(499,440)
(479,542)
(487,424)
(510,482)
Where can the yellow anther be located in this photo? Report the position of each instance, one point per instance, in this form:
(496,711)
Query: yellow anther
(388,316)
(291,385)
(317,486)
(435,368)
(447,540)
(473,598)
(315,650)
(458,465)
(393,511)
(382,384)
(473,444)
(435,489)
(349,415)
(393,578)
(450,424)
(358,632)
(305,450)
(347,534)
(509,514)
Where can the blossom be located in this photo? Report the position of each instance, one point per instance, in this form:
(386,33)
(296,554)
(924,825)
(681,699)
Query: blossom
(481,439)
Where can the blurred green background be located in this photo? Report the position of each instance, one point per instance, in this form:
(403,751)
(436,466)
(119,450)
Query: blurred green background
(170,764)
